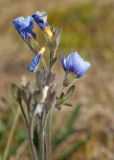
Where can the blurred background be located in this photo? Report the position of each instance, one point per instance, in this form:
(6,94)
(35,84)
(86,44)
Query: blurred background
(88,27)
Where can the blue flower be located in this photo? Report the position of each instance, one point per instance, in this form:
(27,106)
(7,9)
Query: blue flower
(74,63)
(41,19)
(33,66)
(24,26)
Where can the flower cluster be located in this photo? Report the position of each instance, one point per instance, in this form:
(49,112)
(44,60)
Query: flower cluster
(25,26)
(74,63)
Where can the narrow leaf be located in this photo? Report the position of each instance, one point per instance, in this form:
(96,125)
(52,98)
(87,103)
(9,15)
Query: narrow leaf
(68,104)
(35,138)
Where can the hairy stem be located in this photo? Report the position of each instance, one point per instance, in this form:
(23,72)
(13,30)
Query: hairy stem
(29,132)
(32,146)
(41,140)
(48,139)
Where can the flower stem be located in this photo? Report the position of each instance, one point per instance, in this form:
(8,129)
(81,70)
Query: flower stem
(32,146)
(44,63)
(41,140)
(29,132)
(48,139)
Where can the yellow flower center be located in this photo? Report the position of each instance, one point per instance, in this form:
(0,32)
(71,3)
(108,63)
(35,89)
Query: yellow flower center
(48,31)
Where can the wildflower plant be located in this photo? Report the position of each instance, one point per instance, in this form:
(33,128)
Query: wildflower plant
(39,102)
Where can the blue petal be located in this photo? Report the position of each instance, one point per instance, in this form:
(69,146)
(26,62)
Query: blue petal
(21,23)
(34,64)
(69,63)
(24,26)
(29,22)
(63,61)
(18,23)
(41,19)
(75,63)
(86,65)
(31,68)
(40,15)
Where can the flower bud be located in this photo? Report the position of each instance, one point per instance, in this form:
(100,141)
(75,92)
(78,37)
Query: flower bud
(34,65)
(41,19)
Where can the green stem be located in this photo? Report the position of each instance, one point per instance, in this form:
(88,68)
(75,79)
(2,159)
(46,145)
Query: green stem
(48,139)
(44,63)
(29,132)
(41,140)
(47,132)
(11,134)
(60,91)
(32,145)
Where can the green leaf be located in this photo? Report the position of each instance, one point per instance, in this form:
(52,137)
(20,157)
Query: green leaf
(68,104)
(62,95)
(35,139)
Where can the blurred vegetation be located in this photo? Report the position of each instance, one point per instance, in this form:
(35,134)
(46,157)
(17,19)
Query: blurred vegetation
(87,28)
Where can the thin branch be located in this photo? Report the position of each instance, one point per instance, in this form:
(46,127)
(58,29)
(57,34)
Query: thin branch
(48,139)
